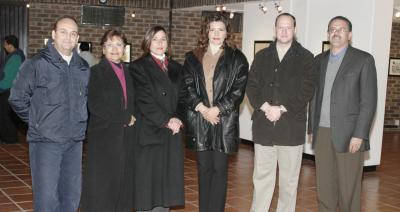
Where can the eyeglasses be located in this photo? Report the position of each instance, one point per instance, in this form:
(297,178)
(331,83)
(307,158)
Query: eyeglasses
(339,30)
(284,28)
(114,45)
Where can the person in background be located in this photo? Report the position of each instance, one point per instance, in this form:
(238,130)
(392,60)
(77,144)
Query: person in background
(108,172)
(50,94)
(86,54)
(158,148)
(281,83)
(8,119)
(342,113)
(215,81)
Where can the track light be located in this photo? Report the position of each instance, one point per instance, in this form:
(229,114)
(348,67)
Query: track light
(263,8)
(133,14)
(231,15)
(278,7)
(220,8)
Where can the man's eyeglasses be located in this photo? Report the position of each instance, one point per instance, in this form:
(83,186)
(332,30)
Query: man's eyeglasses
(339,30)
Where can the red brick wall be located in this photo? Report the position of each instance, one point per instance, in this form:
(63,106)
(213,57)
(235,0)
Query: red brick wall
(185,26)
(184,30)
(392,108)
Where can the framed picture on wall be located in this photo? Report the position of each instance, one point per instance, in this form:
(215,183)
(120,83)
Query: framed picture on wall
(261,44)
(127,53)
(78,49)
(325,46)
(394,67)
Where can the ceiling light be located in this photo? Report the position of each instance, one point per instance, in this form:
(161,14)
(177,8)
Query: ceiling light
(278,7)
(263,8)
(397,14)
(218,8)
(223,8)
(231,15)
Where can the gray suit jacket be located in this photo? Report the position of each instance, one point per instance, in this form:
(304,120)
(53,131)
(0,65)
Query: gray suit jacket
(353,98)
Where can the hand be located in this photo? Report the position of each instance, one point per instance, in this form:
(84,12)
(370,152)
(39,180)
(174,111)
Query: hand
(273,113)
(355,144)
(132,122)
(174,124)
(212,115)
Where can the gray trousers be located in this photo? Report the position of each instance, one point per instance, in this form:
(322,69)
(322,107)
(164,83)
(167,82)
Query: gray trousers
(338,175)
(157,209)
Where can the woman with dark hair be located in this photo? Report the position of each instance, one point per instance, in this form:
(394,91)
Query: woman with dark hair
(158,149)
(108,174)
(215,75)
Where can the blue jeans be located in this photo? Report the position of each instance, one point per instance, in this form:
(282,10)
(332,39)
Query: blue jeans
(56,176)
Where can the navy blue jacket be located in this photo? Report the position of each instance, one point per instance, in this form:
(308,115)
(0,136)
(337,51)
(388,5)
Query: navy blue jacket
(51,96)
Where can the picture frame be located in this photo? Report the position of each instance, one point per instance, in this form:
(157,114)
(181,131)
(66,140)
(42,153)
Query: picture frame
(394,66)
(326,45)
(127,53)
(261,44)
(79,43)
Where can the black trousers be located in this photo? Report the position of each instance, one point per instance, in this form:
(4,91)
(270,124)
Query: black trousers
(212,168)
(8,120)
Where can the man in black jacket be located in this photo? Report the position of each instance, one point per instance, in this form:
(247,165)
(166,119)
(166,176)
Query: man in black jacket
(281,83)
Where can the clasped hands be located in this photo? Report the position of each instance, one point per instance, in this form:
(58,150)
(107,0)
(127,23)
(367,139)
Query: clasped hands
(272,113)
(211,114)
(174,124)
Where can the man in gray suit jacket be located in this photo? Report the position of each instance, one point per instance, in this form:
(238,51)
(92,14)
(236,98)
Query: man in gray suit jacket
(341,116)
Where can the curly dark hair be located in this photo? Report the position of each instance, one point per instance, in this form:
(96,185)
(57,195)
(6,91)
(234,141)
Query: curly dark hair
(203,40)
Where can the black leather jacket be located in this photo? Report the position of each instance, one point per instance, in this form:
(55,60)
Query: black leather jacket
(229,83)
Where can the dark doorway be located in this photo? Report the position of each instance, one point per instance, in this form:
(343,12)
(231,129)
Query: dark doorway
(13,21)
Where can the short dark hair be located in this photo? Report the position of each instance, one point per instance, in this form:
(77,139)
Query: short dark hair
(62,18)
(109,34)
(285,14)
(149,36)
(84,46)
(13,40)
(342,18)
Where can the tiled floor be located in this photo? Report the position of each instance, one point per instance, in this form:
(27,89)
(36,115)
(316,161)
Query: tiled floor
(381,188)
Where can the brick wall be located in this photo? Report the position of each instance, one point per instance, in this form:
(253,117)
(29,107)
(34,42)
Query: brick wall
(392,108)
(184,30)
(185,26)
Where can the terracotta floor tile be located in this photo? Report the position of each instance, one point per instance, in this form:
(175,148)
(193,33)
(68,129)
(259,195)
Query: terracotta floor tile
(26,205)
(19,190)
(8,207)
(381,188)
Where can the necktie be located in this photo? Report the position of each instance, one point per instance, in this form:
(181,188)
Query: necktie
(163,66)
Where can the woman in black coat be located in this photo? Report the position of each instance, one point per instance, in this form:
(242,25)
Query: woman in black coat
(108,174)
(215,76)
(158,149)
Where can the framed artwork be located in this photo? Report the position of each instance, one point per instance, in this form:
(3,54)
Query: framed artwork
(127,53)
(394,67)
(79,44)
(261,44)
(325,46)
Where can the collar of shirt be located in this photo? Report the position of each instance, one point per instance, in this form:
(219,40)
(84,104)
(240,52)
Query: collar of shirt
(337,55)
(160,62)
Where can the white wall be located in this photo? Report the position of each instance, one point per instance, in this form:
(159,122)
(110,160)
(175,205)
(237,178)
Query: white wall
(372,21)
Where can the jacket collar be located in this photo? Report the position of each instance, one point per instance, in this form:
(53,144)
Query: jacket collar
(51,54)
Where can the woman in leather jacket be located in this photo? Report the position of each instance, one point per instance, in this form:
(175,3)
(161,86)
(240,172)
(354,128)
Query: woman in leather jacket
(215,76)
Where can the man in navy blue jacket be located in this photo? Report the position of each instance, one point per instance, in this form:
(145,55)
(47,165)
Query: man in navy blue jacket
(50,95)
